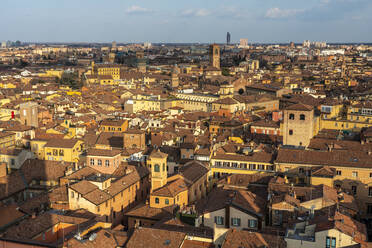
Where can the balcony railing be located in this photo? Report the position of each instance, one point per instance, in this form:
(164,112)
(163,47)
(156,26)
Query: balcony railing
(247,168)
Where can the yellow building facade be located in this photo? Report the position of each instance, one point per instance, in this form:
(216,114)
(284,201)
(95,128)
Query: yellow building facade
(67,150)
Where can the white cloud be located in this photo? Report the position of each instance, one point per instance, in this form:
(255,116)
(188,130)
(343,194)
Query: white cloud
(196,12)
(136,10)
(323,2)
(276,13)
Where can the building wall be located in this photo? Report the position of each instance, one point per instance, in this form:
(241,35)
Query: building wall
(338,124)
(115,207)
(8,140)
(265,130)
(56,232)
(76,201)
(29,114)
(210,216)
(266,105)
(321,180)
(243,167)
(187,153)
(320,240)
(194,105)
(244,217)
(15,162)
(134,221)
(121,128)
(134,140)
(198,189)
(112,71)
(63,154)
(346,180)
(103,168)
(181,199)
(302,130)
(37,147)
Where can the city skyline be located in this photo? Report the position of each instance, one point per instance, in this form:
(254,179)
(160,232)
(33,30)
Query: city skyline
(188,22)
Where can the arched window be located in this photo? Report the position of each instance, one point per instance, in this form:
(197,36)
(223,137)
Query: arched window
(291,116)
(302,117)
(157,168)
(157,200)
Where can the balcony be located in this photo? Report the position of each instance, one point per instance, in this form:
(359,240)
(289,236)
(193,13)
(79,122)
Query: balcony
(240,167)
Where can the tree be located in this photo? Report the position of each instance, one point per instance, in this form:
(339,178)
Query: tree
(225,71)
(70,79)
(36,81)
(23,63)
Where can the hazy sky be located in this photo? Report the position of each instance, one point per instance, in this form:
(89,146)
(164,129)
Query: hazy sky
(186,21)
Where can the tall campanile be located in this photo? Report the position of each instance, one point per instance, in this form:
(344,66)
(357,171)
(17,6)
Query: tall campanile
(214,55)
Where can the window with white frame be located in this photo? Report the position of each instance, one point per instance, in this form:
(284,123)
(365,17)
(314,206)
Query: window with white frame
(252,223)
(235,221)
(218,220)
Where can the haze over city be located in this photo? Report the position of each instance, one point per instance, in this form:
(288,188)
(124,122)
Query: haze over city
(128,21)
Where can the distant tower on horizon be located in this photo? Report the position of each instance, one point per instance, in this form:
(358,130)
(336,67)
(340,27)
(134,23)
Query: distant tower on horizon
(113,46)
(306,43)
(141,61)
(228,38)
(214,55)
(243,43)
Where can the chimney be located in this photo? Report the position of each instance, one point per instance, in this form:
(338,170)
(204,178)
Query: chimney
(3,170)
(331,146)
(228,179)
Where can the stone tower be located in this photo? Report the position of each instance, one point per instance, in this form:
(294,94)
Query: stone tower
(343,69)
(158,164)
(112,58)
(113,46)
(299,125)
(214,55)
(141,61)
(175,77)
(29,114)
